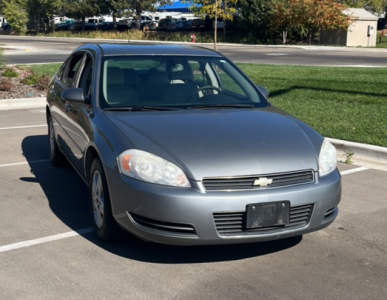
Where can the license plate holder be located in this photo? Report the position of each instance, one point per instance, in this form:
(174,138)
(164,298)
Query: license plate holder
(267,214)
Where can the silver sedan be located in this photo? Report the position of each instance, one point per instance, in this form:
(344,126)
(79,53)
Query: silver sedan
(178,146)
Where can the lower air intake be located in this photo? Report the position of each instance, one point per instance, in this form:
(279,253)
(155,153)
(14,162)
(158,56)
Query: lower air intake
(233,223)
(166,227)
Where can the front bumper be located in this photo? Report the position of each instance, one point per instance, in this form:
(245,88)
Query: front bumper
(185,216)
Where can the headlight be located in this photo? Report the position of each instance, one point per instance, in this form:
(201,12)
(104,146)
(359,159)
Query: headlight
(144,166)
(327,160)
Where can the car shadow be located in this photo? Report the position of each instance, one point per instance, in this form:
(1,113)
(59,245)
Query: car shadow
(281,92)
(67,195)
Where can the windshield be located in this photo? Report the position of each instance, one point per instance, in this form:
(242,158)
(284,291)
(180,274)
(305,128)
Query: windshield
(176,82)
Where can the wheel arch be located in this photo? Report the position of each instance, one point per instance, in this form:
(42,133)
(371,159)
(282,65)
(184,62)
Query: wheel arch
(91,154)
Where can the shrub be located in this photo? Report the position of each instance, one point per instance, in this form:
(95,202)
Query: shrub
(5,85)
(43,82)
(10,72)
(31,79)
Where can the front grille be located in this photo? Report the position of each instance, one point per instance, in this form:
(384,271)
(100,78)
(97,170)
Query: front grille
(175,228)
(247,183)
(233,223)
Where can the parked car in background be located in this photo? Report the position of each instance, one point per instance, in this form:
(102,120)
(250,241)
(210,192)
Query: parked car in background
(198,24)
(187,25)
(126,24)
(154,25)
(145,20)
(76,26)
(178,146)
(6,27)
(64,25)
(179,25)
(105,26)
(165,23)
(93,24)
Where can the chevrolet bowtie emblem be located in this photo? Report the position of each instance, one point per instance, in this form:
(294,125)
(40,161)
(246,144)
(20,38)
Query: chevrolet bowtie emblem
(263,181)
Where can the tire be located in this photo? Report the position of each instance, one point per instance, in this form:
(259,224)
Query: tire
(104,224)
(56,156)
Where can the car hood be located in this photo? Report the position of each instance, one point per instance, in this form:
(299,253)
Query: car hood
(228,142)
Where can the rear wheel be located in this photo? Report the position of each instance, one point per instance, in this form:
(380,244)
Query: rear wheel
(104,224)
(57,158)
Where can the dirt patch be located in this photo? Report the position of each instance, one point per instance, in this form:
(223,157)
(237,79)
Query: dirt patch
(14,88)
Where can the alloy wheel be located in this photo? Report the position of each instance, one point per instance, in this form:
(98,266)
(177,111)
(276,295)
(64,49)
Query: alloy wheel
(98,200)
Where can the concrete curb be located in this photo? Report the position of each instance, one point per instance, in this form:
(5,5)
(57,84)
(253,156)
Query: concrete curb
(8,104)
(364,155)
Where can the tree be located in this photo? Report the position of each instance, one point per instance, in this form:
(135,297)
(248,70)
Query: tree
(256,17)
(42,11)
(223,9)
(16,14)
(310,14)
(377,6)
(80,9)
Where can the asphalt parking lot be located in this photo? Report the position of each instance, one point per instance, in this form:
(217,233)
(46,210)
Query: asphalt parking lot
(47,249)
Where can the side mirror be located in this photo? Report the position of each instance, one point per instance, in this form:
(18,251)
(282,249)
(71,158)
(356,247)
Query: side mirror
(264,91)
(74,95)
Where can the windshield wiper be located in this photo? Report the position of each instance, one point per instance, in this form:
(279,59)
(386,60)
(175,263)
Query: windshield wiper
(221,106)
(140,108)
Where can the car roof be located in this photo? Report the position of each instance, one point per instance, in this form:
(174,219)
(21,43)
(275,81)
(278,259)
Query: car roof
(151,49)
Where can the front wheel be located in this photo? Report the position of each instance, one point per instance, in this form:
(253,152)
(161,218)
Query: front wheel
(104,224)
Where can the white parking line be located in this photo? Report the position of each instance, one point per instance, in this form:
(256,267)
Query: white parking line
(24,163)
(353,170)
(45,239)
(21,127)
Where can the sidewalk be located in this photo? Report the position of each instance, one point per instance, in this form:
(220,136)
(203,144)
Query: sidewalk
(365,155)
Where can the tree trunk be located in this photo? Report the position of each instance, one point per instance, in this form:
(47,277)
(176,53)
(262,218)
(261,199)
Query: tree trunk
(114,21)
(284,36)
(309,35)
(138,21)
(216,25)
(224,20)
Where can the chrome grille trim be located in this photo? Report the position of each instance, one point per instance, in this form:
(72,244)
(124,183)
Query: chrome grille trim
(232,223)
(247,183)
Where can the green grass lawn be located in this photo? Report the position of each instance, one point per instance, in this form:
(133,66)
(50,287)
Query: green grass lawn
(384,41)
(49,69)
(342,103)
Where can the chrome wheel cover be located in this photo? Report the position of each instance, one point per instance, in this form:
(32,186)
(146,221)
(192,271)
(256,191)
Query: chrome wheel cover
(52,139)
(98,199)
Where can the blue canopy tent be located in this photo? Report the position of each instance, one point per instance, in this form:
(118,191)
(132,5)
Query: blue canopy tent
(179,6)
